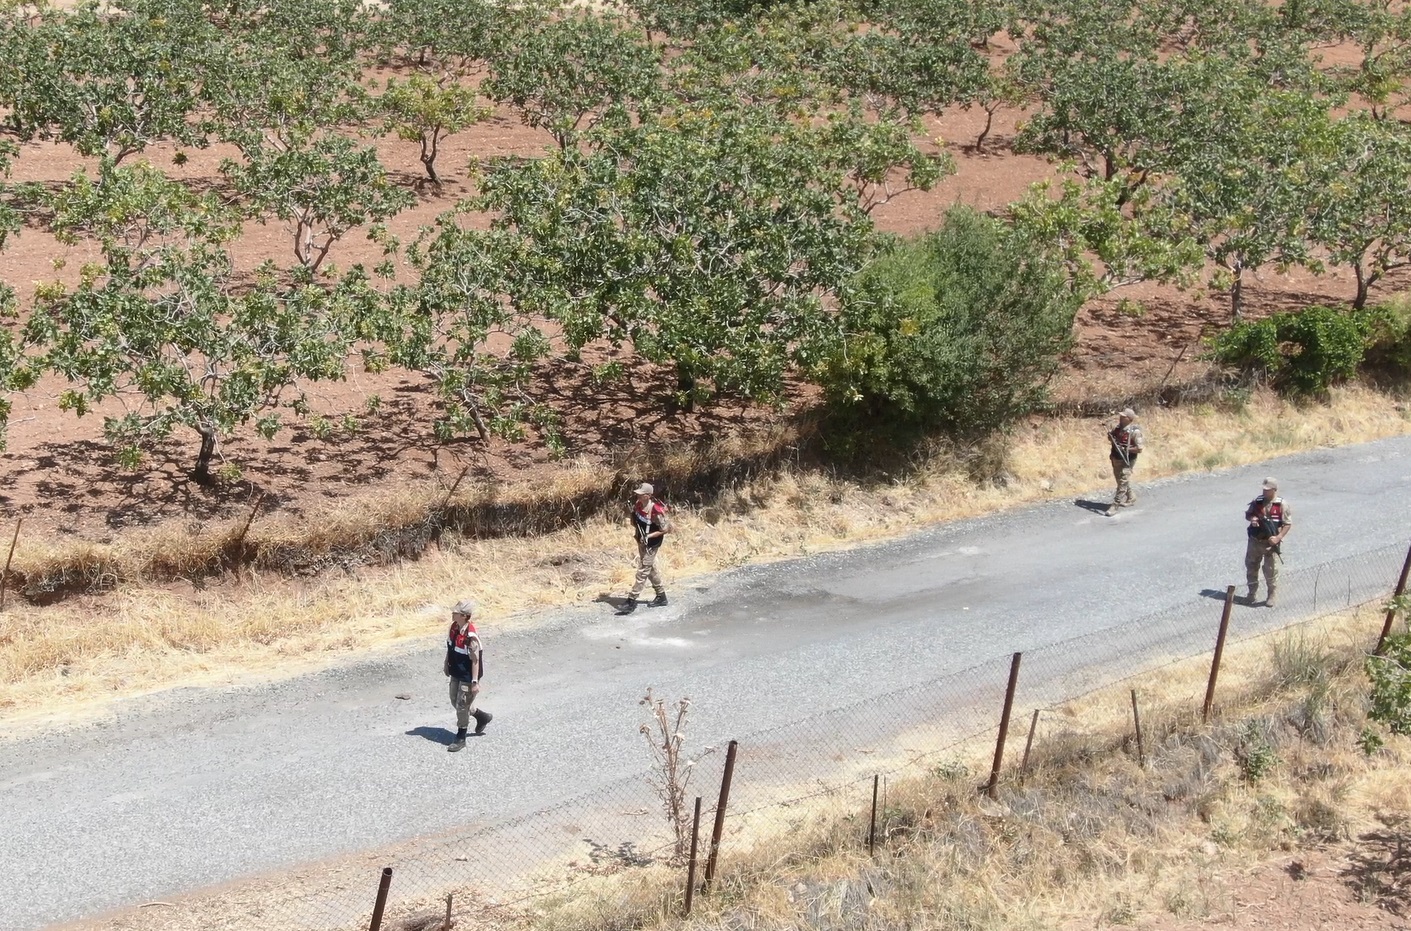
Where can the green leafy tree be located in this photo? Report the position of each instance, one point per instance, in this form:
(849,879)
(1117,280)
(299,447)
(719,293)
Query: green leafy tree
(424,111)
(17,370)
(708,236)
(283,78)
(564,72)
(157,324)
(322,189)
(443,325)
(109,81)
(1108,234)
(1250,191)
(448,36)
(1362,205)
(960,330)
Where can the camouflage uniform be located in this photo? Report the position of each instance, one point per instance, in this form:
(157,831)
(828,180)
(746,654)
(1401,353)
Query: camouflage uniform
(1126,444)
(1268,520)
(650,524)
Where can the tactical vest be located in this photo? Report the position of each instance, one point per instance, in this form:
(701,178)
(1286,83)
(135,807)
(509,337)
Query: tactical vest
(462,647)
(1273,521)
(1122,447)
(649,522)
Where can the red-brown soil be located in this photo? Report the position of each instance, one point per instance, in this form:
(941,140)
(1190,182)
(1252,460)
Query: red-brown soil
(60,478)
(1360,887)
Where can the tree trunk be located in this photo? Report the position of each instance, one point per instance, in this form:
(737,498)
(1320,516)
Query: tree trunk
(202,473)
(1364,284)
(1237,292)
(686,385)
(428,156)
(984,133)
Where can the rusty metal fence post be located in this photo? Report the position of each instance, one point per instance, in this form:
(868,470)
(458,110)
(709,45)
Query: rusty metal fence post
(381,903)
(1391,609)
(1219,652)
(719,827)
(691,864)
(992,789)
(1137,723)
(872,829)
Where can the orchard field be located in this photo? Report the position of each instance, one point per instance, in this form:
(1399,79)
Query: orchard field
(301,253)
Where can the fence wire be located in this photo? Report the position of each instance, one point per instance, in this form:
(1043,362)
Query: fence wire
(513,866)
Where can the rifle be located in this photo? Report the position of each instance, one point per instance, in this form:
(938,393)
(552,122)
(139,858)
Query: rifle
(1122,452)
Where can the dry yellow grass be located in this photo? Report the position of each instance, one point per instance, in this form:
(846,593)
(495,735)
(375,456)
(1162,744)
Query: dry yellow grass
(1090,837)
(64,658)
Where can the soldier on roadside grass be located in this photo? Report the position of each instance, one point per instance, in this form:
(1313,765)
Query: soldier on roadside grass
(1125,440)
(1268,520)
(650,525)
(465,664)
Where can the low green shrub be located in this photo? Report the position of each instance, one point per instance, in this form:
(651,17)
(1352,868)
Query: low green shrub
(959,330)
(1302,352)
(1389,345)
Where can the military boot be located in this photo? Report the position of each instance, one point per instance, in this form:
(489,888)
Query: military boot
(628,606)
(458,744)
(1269,602)
(1253,594)
(659,601)
(482,718)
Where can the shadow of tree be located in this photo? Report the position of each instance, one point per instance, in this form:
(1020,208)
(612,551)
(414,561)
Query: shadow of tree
(1379,869)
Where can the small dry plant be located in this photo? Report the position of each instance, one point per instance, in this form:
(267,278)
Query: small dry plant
(671,772)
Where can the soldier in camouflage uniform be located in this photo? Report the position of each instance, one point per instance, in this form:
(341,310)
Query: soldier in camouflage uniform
(1268,520)
(1125,440)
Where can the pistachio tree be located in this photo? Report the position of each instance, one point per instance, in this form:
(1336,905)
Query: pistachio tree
(321,188)
(156,329)
(1361,215)
(563,72)
(108,80)
(709,236)
(425,111)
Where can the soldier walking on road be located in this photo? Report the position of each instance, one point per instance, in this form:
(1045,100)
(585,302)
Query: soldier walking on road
(650,525)
(465,664)
(1268,521)
(1126,442)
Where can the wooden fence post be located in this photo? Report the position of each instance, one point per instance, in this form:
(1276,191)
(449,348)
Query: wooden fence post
(5,579)
(1137,722)
(1028,745)
(872,830)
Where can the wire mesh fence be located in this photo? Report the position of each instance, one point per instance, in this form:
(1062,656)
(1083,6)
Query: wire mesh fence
(509,867)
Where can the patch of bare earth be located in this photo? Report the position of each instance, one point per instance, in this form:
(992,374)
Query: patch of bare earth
(1360,886)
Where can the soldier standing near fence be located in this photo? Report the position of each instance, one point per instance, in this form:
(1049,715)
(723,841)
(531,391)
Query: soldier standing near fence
(1126,442)
(465,664)
(650,525)
(1268,520)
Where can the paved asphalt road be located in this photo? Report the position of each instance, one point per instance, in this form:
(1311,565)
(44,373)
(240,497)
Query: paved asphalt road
(195,787)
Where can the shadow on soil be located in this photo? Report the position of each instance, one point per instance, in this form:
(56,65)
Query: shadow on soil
(1379,870)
